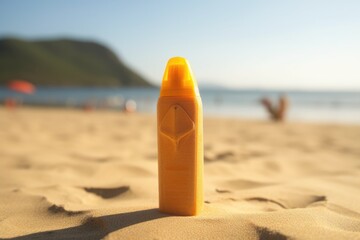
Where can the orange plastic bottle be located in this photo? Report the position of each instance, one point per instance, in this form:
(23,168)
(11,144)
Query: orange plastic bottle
(180,141)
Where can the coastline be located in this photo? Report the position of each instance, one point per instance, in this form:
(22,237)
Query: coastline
(309,106)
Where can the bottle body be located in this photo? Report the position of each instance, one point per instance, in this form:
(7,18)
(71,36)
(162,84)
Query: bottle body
(180,154)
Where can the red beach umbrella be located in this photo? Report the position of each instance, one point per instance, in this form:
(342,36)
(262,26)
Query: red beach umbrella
(22,86)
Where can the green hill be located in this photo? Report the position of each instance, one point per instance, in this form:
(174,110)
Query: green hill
(64,62)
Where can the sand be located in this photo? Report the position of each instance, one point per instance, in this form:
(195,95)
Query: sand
(70,174)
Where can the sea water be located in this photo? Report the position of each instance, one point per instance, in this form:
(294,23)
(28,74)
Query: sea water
(320,106)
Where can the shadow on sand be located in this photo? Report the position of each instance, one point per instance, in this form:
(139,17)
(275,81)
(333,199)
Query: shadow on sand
(98,227)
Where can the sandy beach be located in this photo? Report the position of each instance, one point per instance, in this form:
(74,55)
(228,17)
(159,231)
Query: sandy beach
(70,174)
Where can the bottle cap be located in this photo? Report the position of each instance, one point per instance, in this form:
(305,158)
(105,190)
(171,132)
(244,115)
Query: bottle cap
(178,79)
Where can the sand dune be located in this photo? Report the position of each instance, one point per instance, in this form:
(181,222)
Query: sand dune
(68,174)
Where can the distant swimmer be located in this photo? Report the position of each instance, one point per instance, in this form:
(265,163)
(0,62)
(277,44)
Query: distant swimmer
(276,113)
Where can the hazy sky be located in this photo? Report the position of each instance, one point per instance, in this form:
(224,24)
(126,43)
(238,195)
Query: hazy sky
(257,44)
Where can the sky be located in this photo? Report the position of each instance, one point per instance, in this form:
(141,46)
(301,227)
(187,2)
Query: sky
(288,44)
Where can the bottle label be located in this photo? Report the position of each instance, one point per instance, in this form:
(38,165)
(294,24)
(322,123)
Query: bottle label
(179,130)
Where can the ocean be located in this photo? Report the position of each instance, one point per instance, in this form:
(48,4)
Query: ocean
(318,106)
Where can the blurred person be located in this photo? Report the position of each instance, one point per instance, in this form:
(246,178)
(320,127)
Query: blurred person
(276,113)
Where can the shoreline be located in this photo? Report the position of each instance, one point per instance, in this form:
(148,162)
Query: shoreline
(331,107)
(206,116)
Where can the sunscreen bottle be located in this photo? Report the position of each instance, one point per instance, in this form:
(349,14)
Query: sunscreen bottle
(180,141)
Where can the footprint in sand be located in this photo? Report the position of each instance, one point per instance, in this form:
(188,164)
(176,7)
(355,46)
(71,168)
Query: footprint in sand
(222,191)
(224,156)
(108,193)
(53,208)
(60,209)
